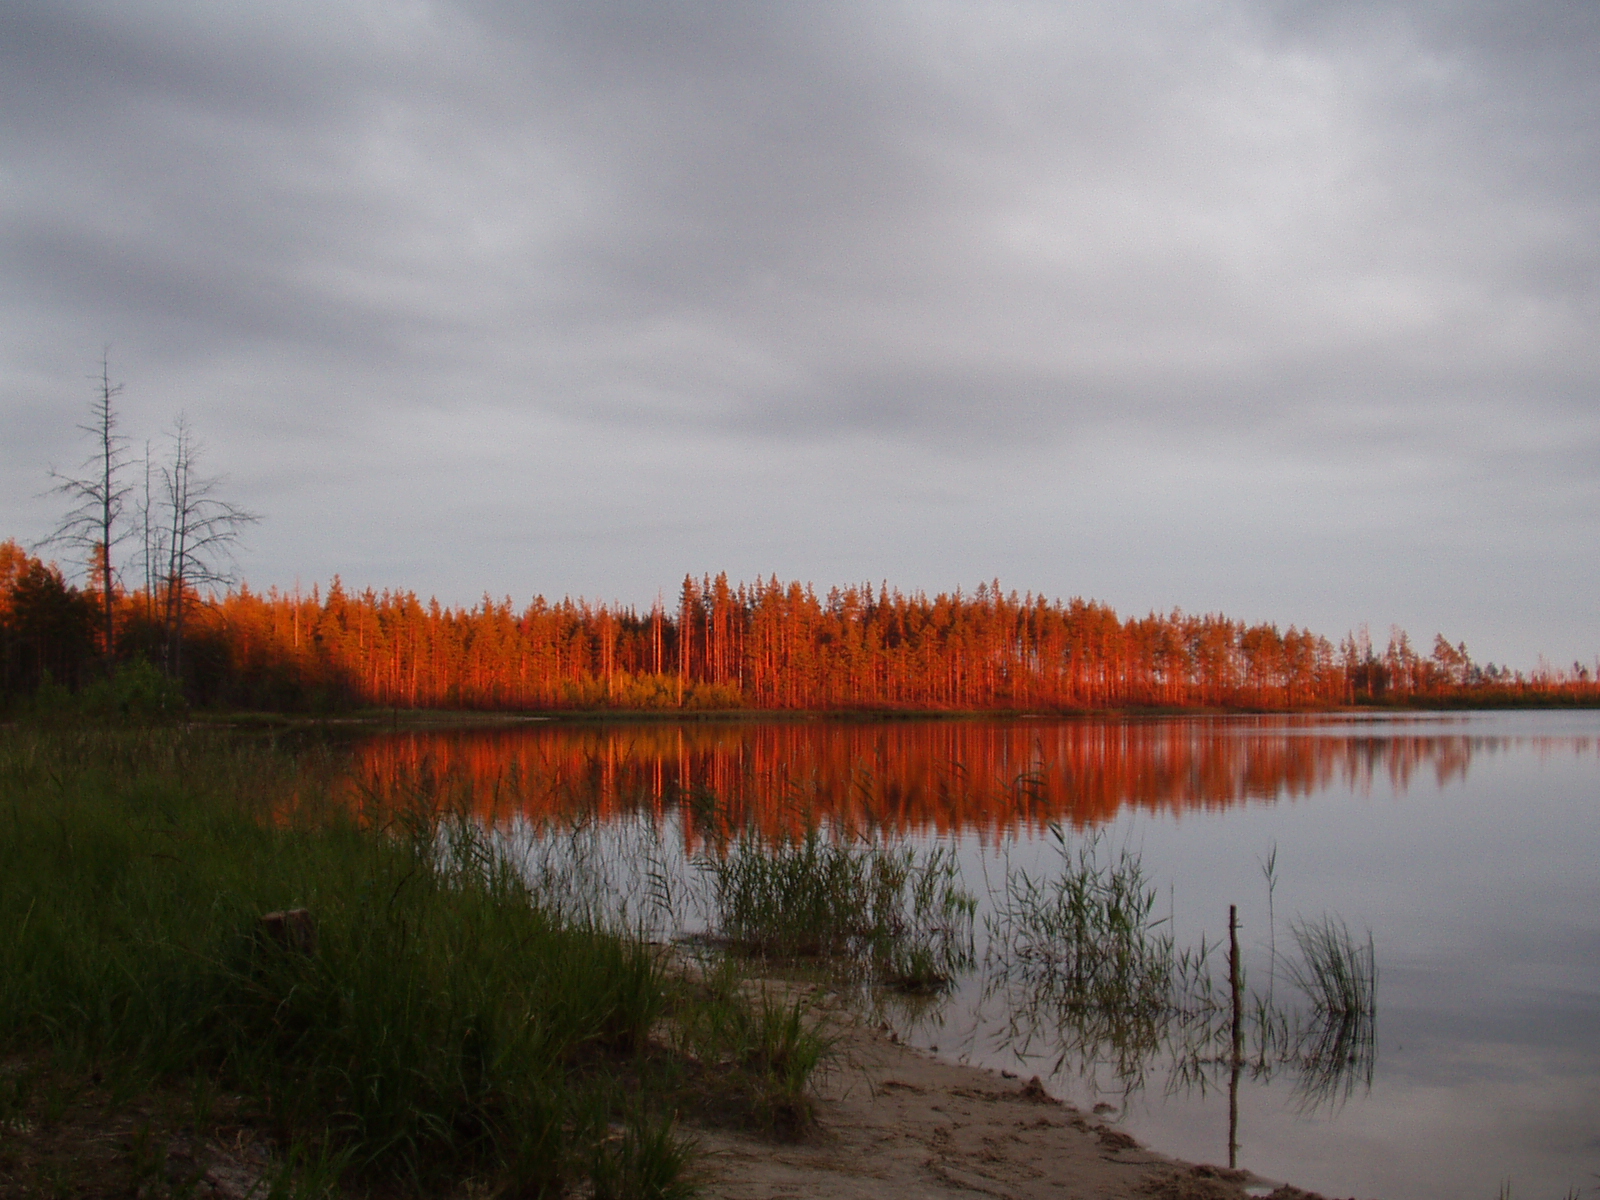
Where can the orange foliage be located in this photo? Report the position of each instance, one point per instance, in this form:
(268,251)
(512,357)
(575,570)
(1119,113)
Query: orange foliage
(776,646)
(769,645)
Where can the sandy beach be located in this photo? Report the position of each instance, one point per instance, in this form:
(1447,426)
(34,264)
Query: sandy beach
(895,1123)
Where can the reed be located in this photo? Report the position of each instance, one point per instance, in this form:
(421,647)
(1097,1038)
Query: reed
(1087,973)
(1087,932)
(1339,976)
(897,914)
(1080,964)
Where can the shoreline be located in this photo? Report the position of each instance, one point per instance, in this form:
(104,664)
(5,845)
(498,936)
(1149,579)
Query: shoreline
(894,1122)
(370,720)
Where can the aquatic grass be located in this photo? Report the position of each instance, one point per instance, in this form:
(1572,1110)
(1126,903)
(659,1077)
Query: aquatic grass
(897,914)
(1080,962)
(1505,1192)
(1330,1046)
(785,1046)
(1084,971)
(309,1171)
(441,1007)
(1269,871)
(644,1157)
(624,874)
(1086,932)
(1337,1046)
(1339,976)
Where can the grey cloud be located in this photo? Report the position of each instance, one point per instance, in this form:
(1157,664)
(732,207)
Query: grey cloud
(1311,259)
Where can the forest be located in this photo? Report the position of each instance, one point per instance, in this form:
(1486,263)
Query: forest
(766,645)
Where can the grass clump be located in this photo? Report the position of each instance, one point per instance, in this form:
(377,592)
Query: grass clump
(1338,1046)
(771,1042)
(1085,970)
(1086,933)
(444,1024)
(900,916)
(1339,976)
(1079,963)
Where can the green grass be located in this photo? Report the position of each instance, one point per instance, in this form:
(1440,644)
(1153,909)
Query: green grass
(900,916)
(1086,972)
(774,1045)
(1087,932)
(1081,966)
(1339,976)
(1337,1046)
(449,1025)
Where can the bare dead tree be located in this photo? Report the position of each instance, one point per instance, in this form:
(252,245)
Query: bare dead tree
(93,526)
(153,550)
(200,534)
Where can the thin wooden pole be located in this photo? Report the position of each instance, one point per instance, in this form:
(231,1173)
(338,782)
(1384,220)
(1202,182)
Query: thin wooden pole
(1236,983)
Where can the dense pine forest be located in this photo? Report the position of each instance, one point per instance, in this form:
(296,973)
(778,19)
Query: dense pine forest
(764,645)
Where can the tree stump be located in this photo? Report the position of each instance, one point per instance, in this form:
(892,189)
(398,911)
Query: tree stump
(294,929)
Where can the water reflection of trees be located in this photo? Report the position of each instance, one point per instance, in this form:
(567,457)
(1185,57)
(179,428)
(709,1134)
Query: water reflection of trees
(989,777)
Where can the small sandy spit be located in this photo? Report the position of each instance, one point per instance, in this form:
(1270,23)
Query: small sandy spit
(894,1123)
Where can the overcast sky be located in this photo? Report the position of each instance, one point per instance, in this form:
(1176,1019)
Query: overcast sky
(1285,310)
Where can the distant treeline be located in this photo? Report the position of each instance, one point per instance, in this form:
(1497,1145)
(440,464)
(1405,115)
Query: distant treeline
(766,645)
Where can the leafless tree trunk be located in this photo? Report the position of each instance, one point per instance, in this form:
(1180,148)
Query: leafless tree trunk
(200,535)
(93,526)
(152,539)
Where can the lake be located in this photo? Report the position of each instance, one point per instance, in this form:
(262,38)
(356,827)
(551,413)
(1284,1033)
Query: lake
(1467,844)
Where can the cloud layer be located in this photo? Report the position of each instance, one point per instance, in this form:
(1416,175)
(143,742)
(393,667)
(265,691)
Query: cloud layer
(1272,308)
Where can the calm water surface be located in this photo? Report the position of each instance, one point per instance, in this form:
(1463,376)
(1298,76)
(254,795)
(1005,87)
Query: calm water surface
(1468,845)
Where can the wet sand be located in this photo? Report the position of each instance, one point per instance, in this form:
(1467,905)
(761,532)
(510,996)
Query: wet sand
(895,1123)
